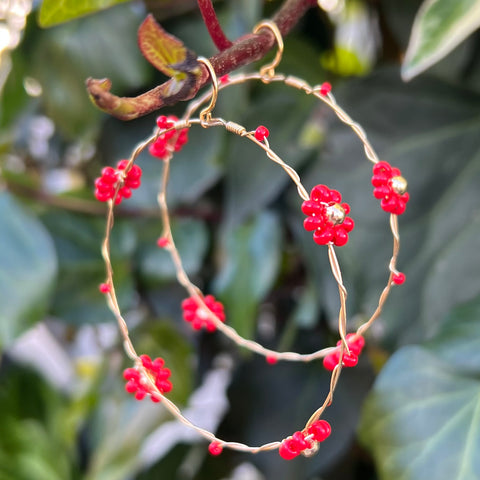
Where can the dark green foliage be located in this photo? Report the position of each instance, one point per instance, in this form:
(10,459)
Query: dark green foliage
(237,223)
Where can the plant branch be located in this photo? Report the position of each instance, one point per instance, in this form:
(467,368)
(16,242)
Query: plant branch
(213,26)
(245,50)
(94,208)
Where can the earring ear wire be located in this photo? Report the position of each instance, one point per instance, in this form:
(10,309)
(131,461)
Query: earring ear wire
(206,114)
(268,71)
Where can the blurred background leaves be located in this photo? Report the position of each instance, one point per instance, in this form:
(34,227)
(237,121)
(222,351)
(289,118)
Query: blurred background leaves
(237,224)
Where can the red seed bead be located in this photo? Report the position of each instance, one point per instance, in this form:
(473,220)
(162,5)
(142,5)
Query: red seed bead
(320,193)
(288,449)
(348,224)
(155,398)
(331,360)
(132,183)
(146,361)
(335,196)
(122,164)
(224,79)
(104,288)
(340,237)
(158,148)
(140,395)
(109,175)
(102,183)
(312,223)
(382,167)
(215,448)
(131,387)
(261,133)
(131,374)
(355,343)
(325,88)
(134,173)
(309,207)
(271,359)
(183,137)
(324,237)
(381,191)
(379,179)
(398,278)
(169,135)
(125,192)
(162,122)
(320,430)
(349,359)
(298,441)
(102,196)
(162,242)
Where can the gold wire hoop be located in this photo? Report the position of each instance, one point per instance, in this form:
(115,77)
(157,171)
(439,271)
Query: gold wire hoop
(266,75)
(196,292)
(268,71)
(206,114)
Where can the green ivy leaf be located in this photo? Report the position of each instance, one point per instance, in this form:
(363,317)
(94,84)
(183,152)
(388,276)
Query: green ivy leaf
(102,45)
(453,278)
(33,440)
(14,97)
(78,241)
(440,25)
(252,256)
(457,341)
(53,12)
(422,419)
(164,51)
(28,267)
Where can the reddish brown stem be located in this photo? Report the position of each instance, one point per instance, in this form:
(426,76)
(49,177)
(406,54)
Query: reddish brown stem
(245,50)
(250,48)
(213,26)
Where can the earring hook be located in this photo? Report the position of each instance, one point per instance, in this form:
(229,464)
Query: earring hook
(206,114)
(269,69)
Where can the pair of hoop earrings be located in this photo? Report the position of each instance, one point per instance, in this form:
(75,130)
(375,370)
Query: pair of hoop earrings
(326,216)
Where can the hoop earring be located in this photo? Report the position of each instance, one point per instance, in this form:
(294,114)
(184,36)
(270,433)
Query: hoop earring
(331,227)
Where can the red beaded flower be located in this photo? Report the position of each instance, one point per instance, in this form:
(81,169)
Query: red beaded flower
(293,446)
(390,187)
(138,383)
(198,317)
(169,141)
(106,185)
(355,344)
(327,217)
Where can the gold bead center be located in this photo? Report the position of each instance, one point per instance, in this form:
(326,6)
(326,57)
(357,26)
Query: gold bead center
(336,213)
(399,185)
